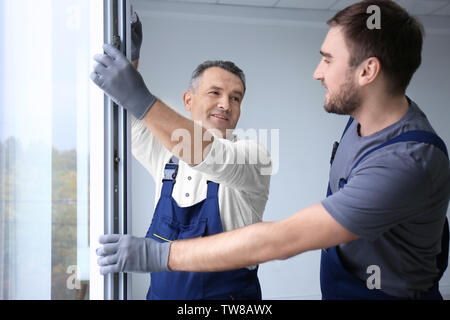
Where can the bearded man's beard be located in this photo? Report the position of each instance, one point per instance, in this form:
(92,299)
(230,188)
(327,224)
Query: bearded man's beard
(346,101)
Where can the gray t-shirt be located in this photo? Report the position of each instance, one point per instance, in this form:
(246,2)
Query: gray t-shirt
(396,200)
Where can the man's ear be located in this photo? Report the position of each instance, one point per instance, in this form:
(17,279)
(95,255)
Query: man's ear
(187,100)
(369,71)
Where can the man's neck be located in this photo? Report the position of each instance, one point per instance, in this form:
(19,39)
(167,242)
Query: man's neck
(376,114)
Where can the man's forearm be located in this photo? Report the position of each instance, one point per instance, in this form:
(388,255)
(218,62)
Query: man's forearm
(179,135)
(230,250)
(309,229)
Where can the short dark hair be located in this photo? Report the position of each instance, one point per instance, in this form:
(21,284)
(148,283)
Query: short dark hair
(397,44)
(226,65)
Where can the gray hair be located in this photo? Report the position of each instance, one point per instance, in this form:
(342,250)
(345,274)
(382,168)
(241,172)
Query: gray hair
(226,65)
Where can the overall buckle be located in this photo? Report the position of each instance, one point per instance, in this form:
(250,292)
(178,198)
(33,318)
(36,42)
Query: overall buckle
(170,170)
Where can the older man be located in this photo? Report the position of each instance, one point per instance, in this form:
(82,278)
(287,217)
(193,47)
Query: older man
(197,193)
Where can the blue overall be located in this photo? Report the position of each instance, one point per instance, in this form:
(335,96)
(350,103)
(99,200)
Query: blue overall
(335,281)
(171,222)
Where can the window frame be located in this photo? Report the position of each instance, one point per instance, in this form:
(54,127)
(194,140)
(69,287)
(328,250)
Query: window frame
(110,150)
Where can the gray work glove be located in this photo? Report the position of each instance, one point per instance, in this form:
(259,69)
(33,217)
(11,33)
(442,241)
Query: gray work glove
(136,37)
(125,253)
(117,77)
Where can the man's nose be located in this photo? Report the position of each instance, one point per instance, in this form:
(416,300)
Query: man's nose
(224,103)
(318,74)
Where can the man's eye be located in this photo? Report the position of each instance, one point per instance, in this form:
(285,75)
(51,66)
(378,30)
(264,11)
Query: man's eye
(214,92)
(236,99)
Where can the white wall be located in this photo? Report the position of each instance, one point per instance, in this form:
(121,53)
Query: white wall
(278,50)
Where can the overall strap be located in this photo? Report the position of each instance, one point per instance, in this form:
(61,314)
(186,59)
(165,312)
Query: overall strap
(213,189)
(335,147)
(347,126)
(336,144)
(442,258)
(170,175)
(171,169)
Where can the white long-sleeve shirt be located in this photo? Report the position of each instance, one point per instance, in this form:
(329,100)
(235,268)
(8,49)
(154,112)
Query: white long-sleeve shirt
(244,187)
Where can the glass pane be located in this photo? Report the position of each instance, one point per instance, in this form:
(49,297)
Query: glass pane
(45,59)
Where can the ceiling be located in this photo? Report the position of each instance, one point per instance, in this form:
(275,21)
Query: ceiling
(415,7)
